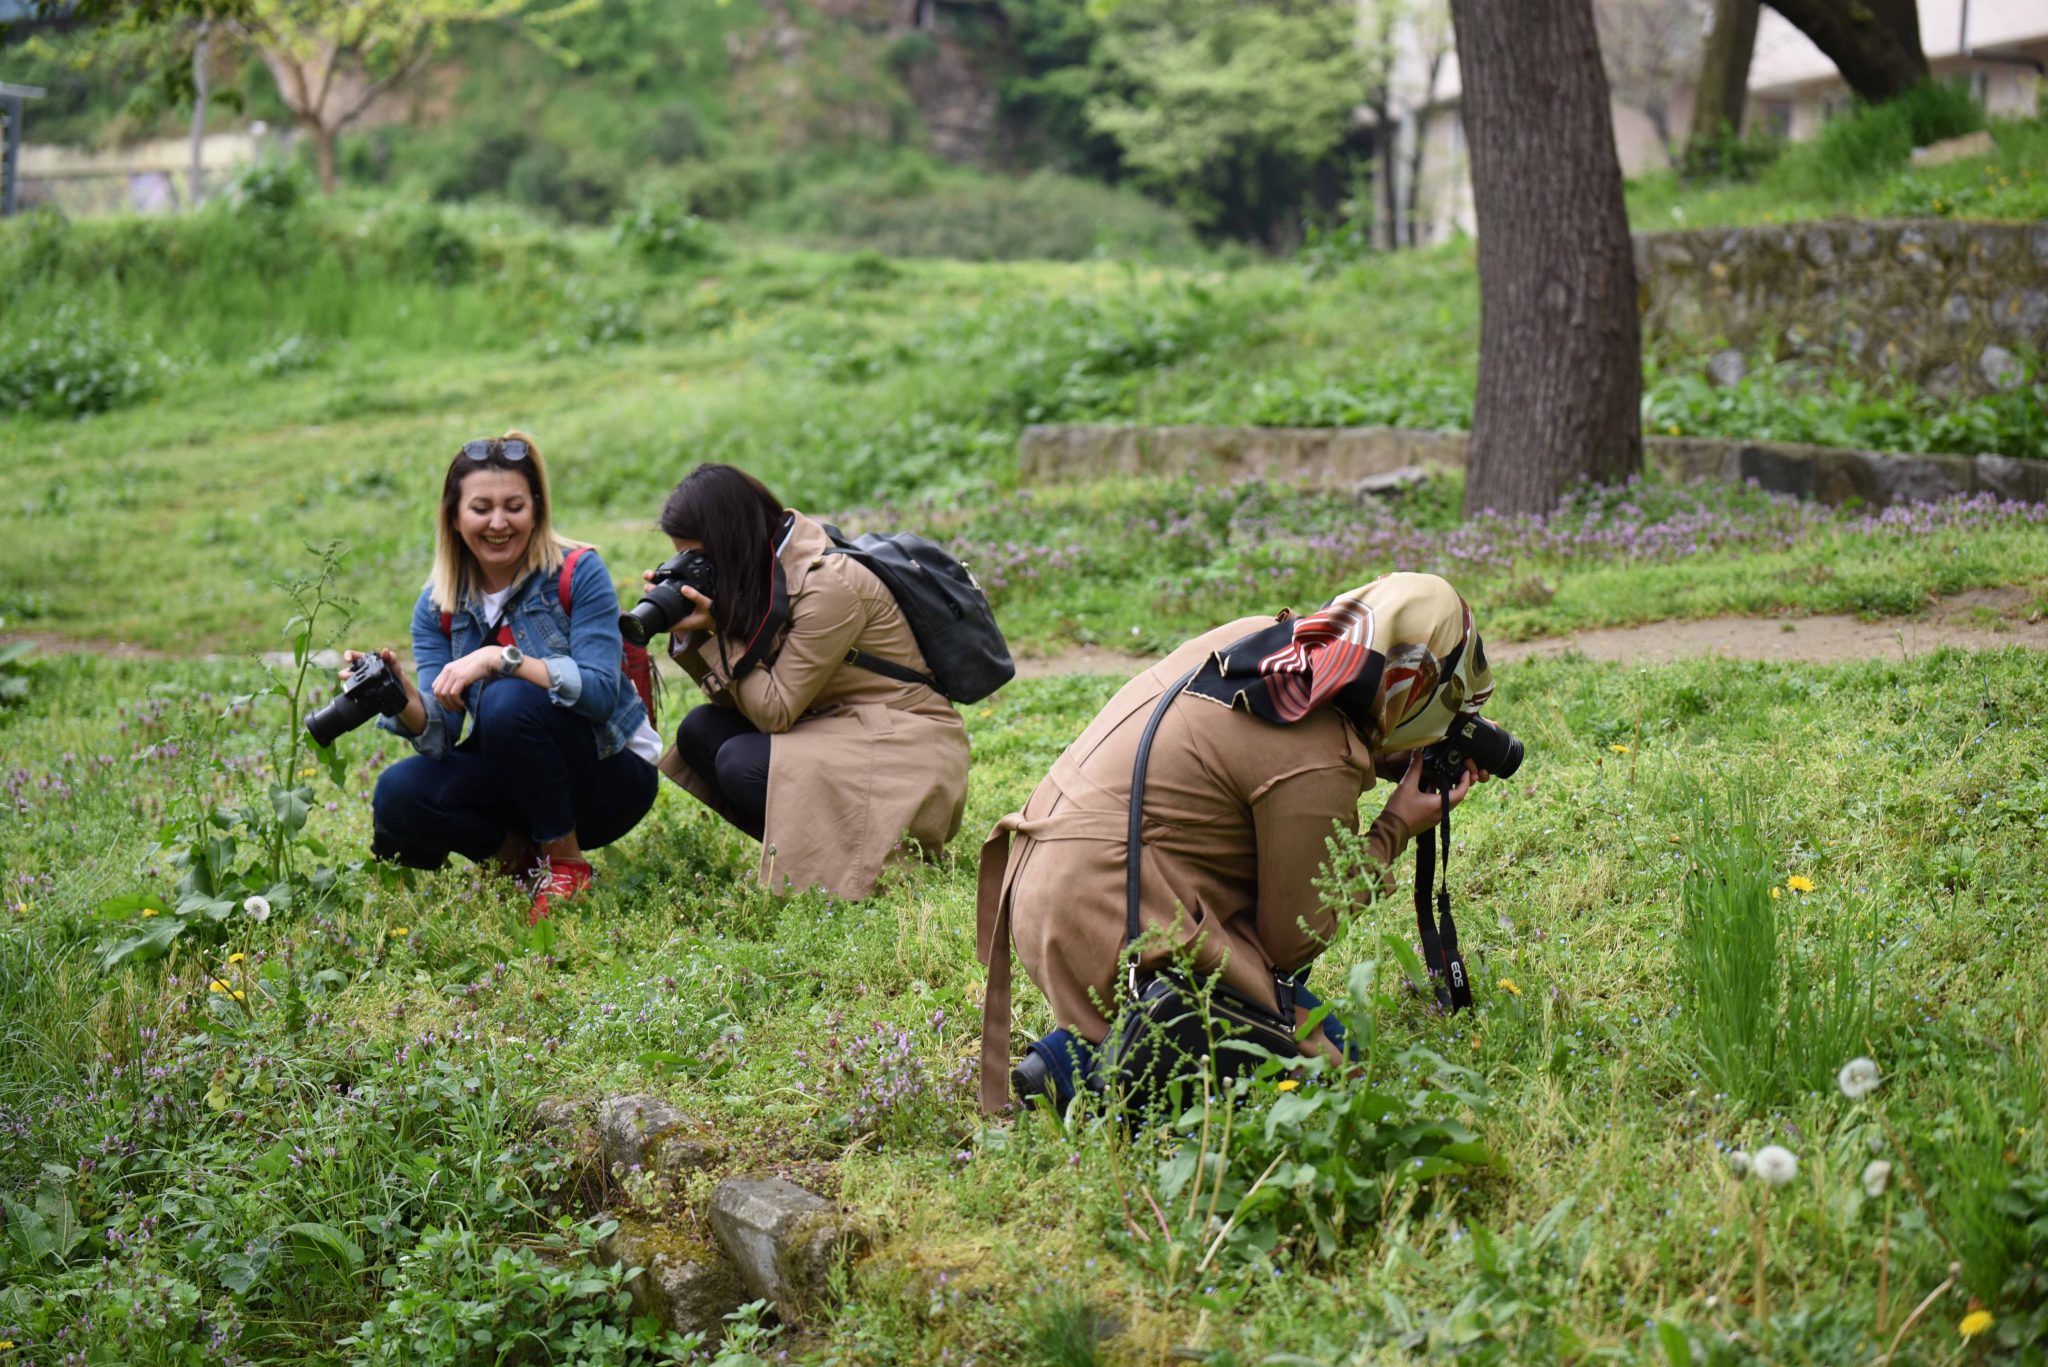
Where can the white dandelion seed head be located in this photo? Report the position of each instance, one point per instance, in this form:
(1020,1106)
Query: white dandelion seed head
(1738,1162)
(1776,1165)
(257,907)
(1859,1078)
(1877,1175)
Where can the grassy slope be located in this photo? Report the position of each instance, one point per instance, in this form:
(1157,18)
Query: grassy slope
(1910,794)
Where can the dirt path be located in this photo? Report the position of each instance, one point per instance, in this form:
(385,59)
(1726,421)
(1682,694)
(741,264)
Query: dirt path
(1981,619)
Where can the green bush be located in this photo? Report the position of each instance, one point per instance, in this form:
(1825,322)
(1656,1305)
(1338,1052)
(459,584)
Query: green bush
(1730,156)
(480,163)
(268,186)
(1876,138)
(439,250)
(544,178)
(664,234)
(71,363)
(677,134)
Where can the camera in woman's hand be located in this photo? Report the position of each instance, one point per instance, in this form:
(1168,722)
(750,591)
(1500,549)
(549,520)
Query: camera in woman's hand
(663,604)
(371,689)
(1492,747)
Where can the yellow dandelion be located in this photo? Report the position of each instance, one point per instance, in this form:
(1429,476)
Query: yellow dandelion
(151,911)
(1507,985)
(218,986)
(1672,429)
(400,930)
(1774,894)
(5,1344)
(1799,882)
(1975,1323)
(236,958)
(1619,749)
(21,908)
(1288,1084)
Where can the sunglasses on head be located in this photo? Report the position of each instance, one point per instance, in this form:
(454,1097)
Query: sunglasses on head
(483,448)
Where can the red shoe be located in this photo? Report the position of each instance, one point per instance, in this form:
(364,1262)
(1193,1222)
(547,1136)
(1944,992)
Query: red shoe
(559,878)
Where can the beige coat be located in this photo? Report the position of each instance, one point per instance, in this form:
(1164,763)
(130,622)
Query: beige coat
(1237,812)
(859,760)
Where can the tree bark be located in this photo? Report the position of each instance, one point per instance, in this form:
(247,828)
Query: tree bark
(1875,44)
(1724,71)
(323,155)
(202,46)
(1560,345)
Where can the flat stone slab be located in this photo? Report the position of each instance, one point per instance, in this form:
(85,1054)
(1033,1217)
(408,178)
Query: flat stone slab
(784,1240)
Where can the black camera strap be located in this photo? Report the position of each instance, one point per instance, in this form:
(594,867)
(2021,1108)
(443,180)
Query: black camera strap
(1439,933)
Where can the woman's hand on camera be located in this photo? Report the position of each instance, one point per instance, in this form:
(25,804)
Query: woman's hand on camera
(1416,809)
(414,718)
(457,675)
(700,616)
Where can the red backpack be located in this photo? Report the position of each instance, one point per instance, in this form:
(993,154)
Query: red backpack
(638,667)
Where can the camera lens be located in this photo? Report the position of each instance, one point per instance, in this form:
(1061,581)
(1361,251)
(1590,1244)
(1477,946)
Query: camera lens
(1510,758)
(661,608)
(336,720)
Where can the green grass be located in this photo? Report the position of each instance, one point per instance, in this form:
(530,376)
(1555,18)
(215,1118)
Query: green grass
(1913,790)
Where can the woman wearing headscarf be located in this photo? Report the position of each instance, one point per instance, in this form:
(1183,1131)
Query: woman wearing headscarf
(1264,755)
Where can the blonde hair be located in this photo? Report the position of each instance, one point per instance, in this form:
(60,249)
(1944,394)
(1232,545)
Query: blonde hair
(455,569)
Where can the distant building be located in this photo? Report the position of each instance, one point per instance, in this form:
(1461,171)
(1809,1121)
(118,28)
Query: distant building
(1999,46)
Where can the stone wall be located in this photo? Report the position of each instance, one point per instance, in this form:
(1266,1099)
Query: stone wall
(1353,455)
(1950,305)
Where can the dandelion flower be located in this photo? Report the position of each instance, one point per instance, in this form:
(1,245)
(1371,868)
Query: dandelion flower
(1288,1084)
(236,958)
(1799,882)
(1619,749)
(1507,985)
(1776,1165)
(1858,1079)
(218,986)
(257,907)
(151,911)
(21,908)
(1877,1175)
(1774,894)
(401,931)
(1975,1323)
(1738,1162)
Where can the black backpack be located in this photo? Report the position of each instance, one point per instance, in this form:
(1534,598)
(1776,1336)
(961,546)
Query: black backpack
(947,611)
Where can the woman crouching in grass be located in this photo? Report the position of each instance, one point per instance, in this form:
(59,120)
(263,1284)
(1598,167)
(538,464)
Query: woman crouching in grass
(829,764)
(1281,726)
(517,632)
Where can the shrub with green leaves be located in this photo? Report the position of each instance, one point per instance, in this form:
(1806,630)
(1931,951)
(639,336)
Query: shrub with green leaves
(664,234)
(72,363)
(1877,137)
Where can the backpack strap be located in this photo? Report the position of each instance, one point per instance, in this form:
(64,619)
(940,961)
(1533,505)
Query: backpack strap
(875,664)
(562,587)
(1134,834)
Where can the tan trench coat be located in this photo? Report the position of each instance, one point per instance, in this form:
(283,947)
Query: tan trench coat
(859,760)
(1237,811)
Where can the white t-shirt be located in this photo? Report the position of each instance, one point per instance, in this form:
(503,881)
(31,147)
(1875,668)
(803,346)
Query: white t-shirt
(645,740)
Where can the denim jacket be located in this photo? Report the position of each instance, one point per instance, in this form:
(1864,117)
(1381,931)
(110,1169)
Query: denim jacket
(581,649)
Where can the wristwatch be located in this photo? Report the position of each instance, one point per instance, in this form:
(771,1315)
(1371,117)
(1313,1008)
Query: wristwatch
(509,660)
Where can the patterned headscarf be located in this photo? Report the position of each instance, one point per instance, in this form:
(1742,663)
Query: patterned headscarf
(1399,658)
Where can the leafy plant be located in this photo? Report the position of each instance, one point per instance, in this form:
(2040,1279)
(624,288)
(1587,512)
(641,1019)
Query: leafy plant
(15,666)
(664,234)
(244,855)
(70,363)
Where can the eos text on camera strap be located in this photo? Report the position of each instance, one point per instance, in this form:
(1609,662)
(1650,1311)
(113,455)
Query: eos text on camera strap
(1439,933)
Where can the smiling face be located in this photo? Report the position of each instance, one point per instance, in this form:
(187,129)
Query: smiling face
(494,516)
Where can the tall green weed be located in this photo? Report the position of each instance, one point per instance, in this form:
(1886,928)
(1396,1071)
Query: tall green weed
(1777,990)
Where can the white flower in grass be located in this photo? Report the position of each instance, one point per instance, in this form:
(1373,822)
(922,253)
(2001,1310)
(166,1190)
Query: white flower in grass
(1859,1078)
(1876,1177)
(257,907)
(1738,1162)
(1776,1165)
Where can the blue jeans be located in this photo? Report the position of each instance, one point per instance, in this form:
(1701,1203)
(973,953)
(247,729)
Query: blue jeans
(527,768)
(1074,1062)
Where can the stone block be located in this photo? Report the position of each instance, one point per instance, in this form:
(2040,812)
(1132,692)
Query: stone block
(568,1126)
(1977,144)
(2000,368)
(689,1285)
(1912,479)
(1727,367)
(2010,477)
(784,1240)
(648,1134)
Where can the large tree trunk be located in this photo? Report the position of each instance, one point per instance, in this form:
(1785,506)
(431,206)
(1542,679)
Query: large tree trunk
(1560,347)
(1875,44)
(323,155)
(1724,72)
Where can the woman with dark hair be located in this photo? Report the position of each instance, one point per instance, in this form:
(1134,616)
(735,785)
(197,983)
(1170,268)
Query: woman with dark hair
(516,632)
(828,764)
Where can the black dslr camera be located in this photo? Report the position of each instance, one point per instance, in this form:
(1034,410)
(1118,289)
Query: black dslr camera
(663,605)
(1493,748)
(372,688)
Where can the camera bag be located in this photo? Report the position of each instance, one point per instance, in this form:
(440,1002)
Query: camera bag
(633,659)
(948,614)
(1171,1029)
